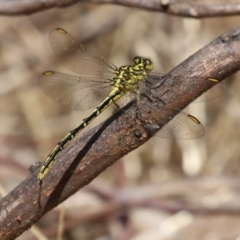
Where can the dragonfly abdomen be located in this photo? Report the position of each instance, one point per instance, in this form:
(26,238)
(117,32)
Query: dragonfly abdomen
(113,96)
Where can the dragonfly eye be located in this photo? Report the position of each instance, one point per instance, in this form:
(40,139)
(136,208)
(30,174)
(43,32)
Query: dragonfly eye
(148,64)
(137,60)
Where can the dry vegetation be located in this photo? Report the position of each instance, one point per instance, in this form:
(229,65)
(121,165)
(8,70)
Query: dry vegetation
(166,189)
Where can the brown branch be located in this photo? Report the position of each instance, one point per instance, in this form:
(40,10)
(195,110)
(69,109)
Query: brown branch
(100,147)
(192,9)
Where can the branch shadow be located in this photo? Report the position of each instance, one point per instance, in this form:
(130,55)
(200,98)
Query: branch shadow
(57,192)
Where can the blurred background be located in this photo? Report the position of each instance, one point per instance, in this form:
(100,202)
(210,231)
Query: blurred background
(166,189)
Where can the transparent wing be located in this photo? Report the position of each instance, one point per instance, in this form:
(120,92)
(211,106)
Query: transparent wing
(153,78)
(215,92)
(77,57)
(183,126)
(77,93)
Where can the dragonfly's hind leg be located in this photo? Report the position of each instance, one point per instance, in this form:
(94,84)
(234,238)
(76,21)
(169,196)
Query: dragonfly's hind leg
(117,107)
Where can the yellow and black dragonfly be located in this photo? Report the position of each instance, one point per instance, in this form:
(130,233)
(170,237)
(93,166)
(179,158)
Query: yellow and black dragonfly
(108,83)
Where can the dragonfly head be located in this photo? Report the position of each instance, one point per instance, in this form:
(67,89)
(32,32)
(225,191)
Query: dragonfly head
(145,63)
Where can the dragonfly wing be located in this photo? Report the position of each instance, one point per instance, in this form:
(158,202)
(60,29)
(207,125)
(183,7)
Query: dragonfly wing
(78,58)
(183,126)
(213,93)
(153,78)
(77,93)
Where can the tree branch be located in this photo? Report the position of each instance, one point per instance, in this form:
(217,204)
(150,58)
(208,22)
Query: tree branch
(192,9)
(86,158)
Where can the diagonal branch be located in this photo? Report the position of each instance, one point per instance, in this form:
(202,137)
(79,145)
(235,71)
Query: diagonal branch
(86,158)
(192,9)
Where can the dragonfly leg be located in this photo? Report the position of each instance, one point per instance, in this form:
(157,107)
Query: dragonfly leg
(117,106)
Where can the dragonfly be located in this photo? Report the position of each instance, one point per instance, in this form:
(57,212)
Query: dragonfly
(109,83)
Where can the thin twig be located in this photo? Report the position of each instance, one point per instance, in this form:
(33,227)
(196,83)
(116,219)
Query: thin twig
(192,9)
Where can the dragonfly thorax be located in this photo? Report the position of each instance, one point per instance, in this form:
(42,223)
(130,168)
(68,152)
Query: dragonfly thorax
(129,76)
